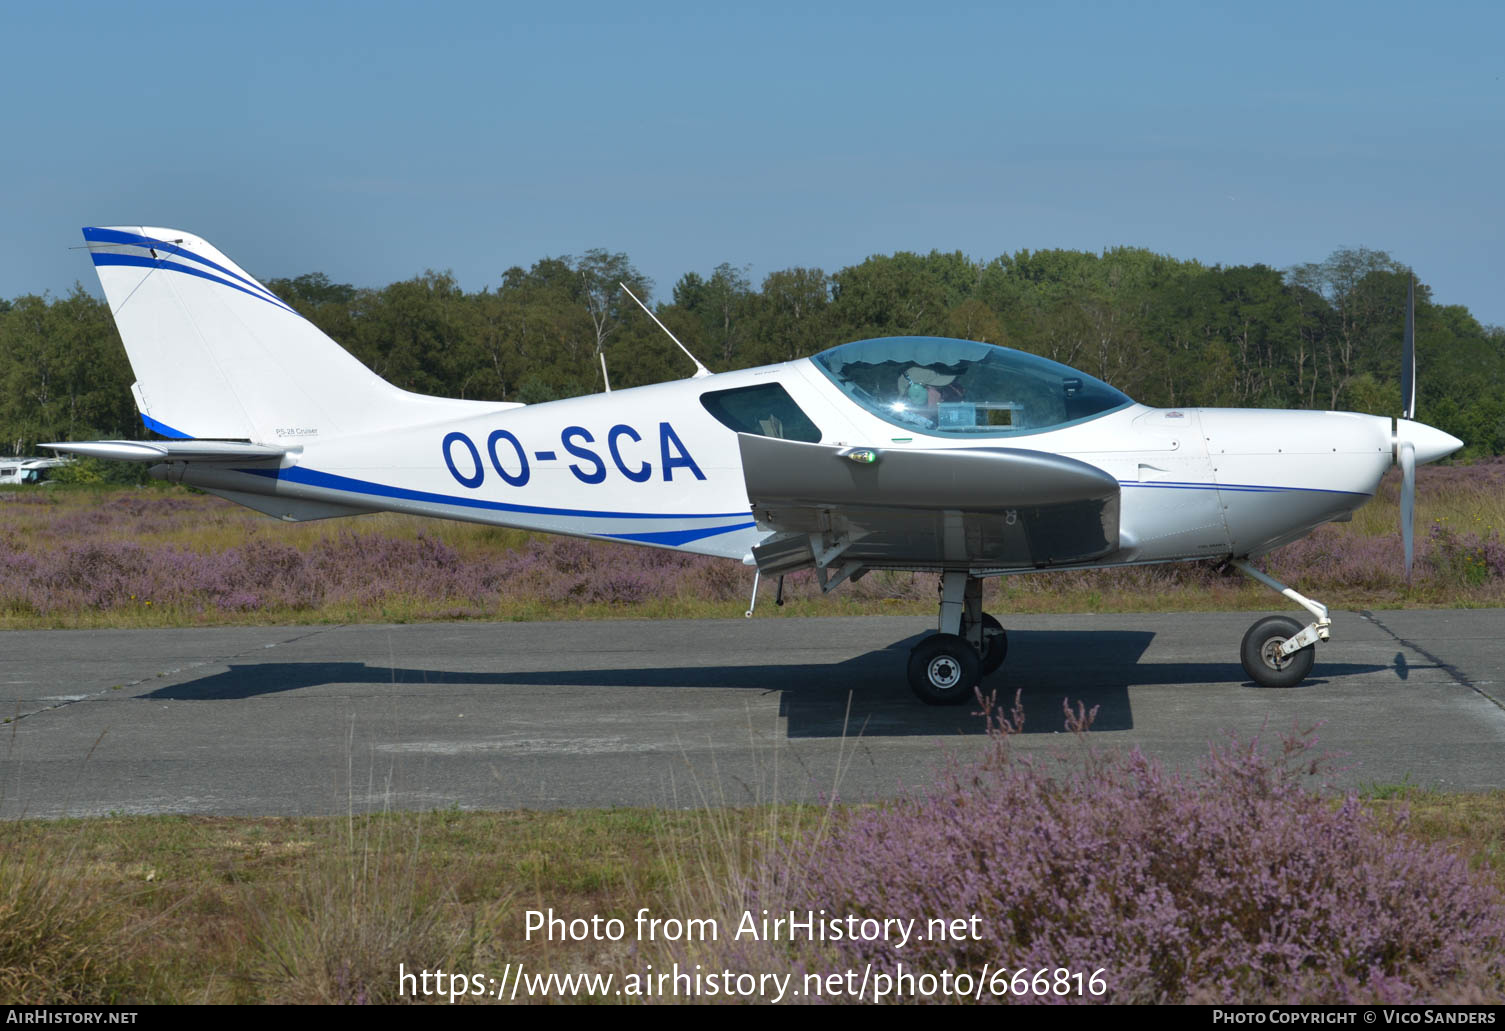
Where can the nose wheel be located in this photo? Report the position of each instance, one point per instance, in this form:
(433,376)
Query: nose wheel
(1278,651)
(1264,659)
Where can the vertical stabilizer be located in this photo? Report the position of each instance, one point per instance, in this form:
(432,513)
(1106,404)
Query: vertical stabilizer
(217,355)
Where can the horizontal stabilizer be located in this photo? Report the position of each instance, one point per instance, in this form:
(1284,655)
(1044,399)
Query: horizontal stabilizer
(169,451)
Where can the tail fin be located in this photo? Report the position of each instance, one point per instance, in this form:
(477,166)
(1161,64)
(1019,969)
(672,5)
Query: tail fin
(219,356)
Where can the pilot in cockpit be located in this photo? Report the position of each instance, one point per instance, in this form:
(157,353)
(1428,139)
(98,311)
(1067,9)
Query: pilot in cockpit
(922,389)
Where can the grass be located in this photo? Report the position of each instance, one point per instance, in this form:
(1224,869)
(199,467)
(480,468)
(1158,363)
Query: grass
(1473,823)
(224,910)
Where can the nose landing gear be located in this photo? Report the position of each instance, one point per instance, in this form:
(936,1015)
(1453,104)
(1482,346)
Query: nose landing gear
(1278,651)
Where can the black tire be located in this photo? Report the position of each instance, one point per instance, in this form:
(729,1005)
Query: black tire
(1260,657)
(944,670)
(995,644)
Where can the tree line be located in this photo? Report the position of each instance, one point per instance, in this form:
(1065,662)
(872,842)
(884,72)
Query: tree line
(1324,335)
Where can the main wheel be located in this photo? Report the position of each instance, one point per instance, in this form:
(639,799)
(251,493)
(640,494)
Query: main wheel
(995,644)
(1261,653)
(944,669)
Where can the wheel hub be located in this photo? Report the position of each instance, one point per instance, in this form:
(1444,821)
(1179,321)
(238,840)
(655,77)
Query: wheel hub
(1271,654)
(945,672)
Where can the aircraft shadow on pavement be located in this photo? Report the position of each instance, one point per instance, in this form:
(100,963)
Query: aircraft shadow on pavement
(1050,667)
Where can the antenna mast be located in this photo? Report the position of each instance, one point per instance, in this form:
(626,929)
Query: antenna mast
(700,370)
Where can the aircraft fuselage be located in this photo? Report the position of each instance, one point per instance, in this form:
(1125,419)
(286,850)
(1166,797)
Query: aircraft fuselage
(650,465)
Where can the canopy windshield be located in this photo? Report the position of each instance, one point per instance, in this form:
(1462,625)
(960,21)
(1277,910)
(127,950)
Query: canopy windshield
(964,388)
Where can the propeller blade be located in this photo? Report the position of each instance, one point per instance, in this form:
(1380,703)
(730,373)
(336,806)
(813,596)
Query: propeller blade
(1407,499)
(1408,357)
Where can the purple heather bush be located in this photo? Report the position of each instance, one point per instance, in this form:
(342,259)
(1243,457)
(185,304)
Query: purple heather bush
(102,557)
(1232,884)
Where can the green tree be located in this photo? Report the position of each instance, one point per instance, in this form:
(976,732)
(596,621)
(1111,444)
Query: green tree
(794,316)
(311,290)
(901,294)
(64,373)
(602,276)
(1361,308)
(722,307)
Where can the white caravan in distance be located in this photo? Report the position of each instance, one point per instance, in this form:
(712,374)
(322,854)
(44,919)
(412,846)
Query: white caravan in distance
(19,472)
(964,459)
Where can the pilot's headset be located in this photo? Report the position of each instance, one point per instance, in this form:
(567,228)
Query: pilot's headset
(922,383)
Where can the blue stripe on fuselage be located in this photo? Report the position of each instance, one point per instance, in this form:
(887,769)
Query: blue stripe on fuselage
(331,481)
(1246,488)
(674,538)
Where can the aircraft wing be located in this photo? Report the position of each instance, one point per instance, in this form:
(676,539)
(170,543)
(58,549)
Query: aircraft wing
(983,508)
(169,450)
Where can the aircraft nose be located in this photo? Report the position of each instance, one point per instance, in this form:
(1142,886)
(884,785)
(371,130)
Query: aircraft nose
(1430,443)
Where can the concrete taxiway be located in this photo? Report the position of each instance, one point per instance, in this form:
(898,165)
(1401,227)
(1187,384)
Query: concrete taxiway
(298,720)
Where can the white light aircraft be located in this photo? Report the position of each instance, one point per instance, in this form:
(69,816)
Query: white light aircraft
(913,453)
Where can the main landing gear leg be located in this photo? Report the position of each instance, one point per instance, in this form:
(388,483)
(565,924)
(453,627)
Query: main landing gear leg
(946,667)
(1278,651)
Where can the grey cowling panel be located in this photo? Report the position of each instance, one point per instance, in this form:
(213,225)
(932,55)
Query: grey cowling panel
(997,507)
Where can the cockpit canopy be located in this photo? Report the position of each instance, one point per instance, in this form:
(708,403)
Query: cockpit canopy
(964,388)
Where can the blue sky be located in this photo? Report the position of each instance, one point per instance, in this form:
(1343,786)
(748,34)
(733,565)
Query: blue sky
(371,141)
